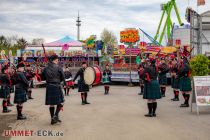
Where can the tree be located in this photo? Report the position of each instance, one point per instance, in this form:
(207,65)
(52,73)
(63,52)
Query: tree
(109,39)
(200,65)
(3,42)
(21,43)
(38,41)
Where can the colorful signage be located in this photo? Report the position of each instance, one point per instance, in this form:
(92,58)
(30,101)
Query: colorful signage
(129,36)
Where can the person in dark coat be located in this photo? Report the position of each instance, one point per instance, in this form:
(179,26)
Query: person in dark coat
(151,88)
(29,76)
(83,88)
(175,79)
(140,73)
(5,89)
(185,82)
(163,70)
(107,79)
(54,75)
(21,86)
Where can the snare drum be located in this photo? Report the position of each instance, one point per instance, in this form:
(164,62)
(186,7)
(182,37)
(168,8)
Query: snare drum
(92,75)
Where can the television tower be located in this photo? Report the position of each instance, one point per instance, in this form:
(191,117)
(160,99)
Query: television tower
(78,26)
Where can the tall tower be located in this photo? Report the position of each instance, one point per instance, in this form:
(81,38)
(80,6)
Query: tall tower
(78,26)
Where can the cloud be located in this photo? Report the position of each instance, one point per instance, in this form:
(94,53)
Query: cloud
(53,19)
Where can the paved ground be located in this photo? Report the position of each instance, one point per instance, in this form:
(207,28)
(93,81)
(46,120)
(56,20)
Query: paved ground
(118,116)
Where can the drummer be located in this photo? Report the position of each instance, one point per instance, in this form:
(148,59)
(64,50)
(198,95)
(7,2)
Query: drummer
(107,79)
(83,88)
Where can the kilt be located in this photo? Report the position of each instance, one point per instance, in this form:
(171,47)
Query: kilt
(185,84)
(82,87)
(152,90)
(20,96)
(4,92)
(162,79)
(175,83)
(54,94)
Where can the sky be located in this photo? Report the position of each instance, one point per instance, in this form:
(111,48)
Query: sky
(53,19)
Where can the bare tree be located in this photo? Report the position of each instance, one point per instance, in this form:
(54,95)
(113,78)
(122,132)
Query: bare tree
(38,41)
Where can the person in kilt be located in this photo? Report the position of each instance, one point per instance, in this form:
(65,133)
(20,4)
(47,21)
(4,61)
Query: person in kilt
(21,86)
(107,79)
(163,70)
(5,89)
(185,82)
(151,88)
(83,88)
(140,73)
(29,76)
(54,75)
(69,82)
(175,79)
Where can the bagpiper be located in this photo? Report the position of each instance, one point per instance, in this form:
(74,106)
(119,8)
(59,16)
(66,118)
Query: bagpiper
(151,88)
(185,82)
(163,70)
(140,73)
(107,79)
(29,76)
(21,86)
(5,88)
(54,75)
(83,88)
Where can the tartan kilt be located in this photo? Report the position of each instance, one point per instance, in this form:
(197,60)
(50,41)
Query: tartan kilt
(54,95)
(4,92)
(82,87)
(162,79)
(185,84)
(152,90)
(20,96)
(175,83)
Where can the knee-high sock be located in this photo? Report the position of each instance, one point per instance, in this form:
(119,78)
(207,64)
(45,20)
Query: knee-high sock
(8,99)
(176,94)
(150,106)
(58,109)
(4,104)
(154,107)
(107,88)
(52,111)
(142,88)
(68,91)
(82,97)
(19,110)
(65,90)
(86,94)
(187,97)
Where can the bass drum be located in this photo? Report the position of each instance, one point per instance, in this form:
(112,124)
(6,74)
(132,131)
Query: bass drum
(92,75)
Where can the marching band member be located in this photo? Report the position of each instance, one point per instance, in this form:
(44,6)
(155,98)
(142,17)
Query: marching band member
(29,76)
(175,79)
(163,70)
(69,82)
(140,73)
(107,79)
(151,88)
(185,82)
(54,75)
(83,88)
(5,88)
(21,86)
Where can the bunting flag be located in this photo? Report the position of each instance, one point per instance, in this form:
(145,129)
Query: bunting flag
(200,2)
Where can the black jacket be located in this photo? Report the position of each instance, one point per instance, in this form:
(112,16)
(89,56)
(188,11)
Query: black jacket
(21,81)
(80,73)
(53,74)
(151,71)
(4,80)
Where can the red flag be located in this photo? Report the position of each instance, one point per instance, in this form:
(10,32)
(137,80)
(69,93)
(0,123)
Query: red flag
(201,2)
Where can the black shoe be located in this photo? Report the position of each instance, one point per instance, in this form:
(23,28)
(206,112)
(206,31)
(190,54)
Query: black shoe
(184,105)
(30,98)
(148,115)
(21,117)
(154,115)
(87,102)
(6,111)
(57,119)
(53,120)
(9,104)
(175,99)
(83,103)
